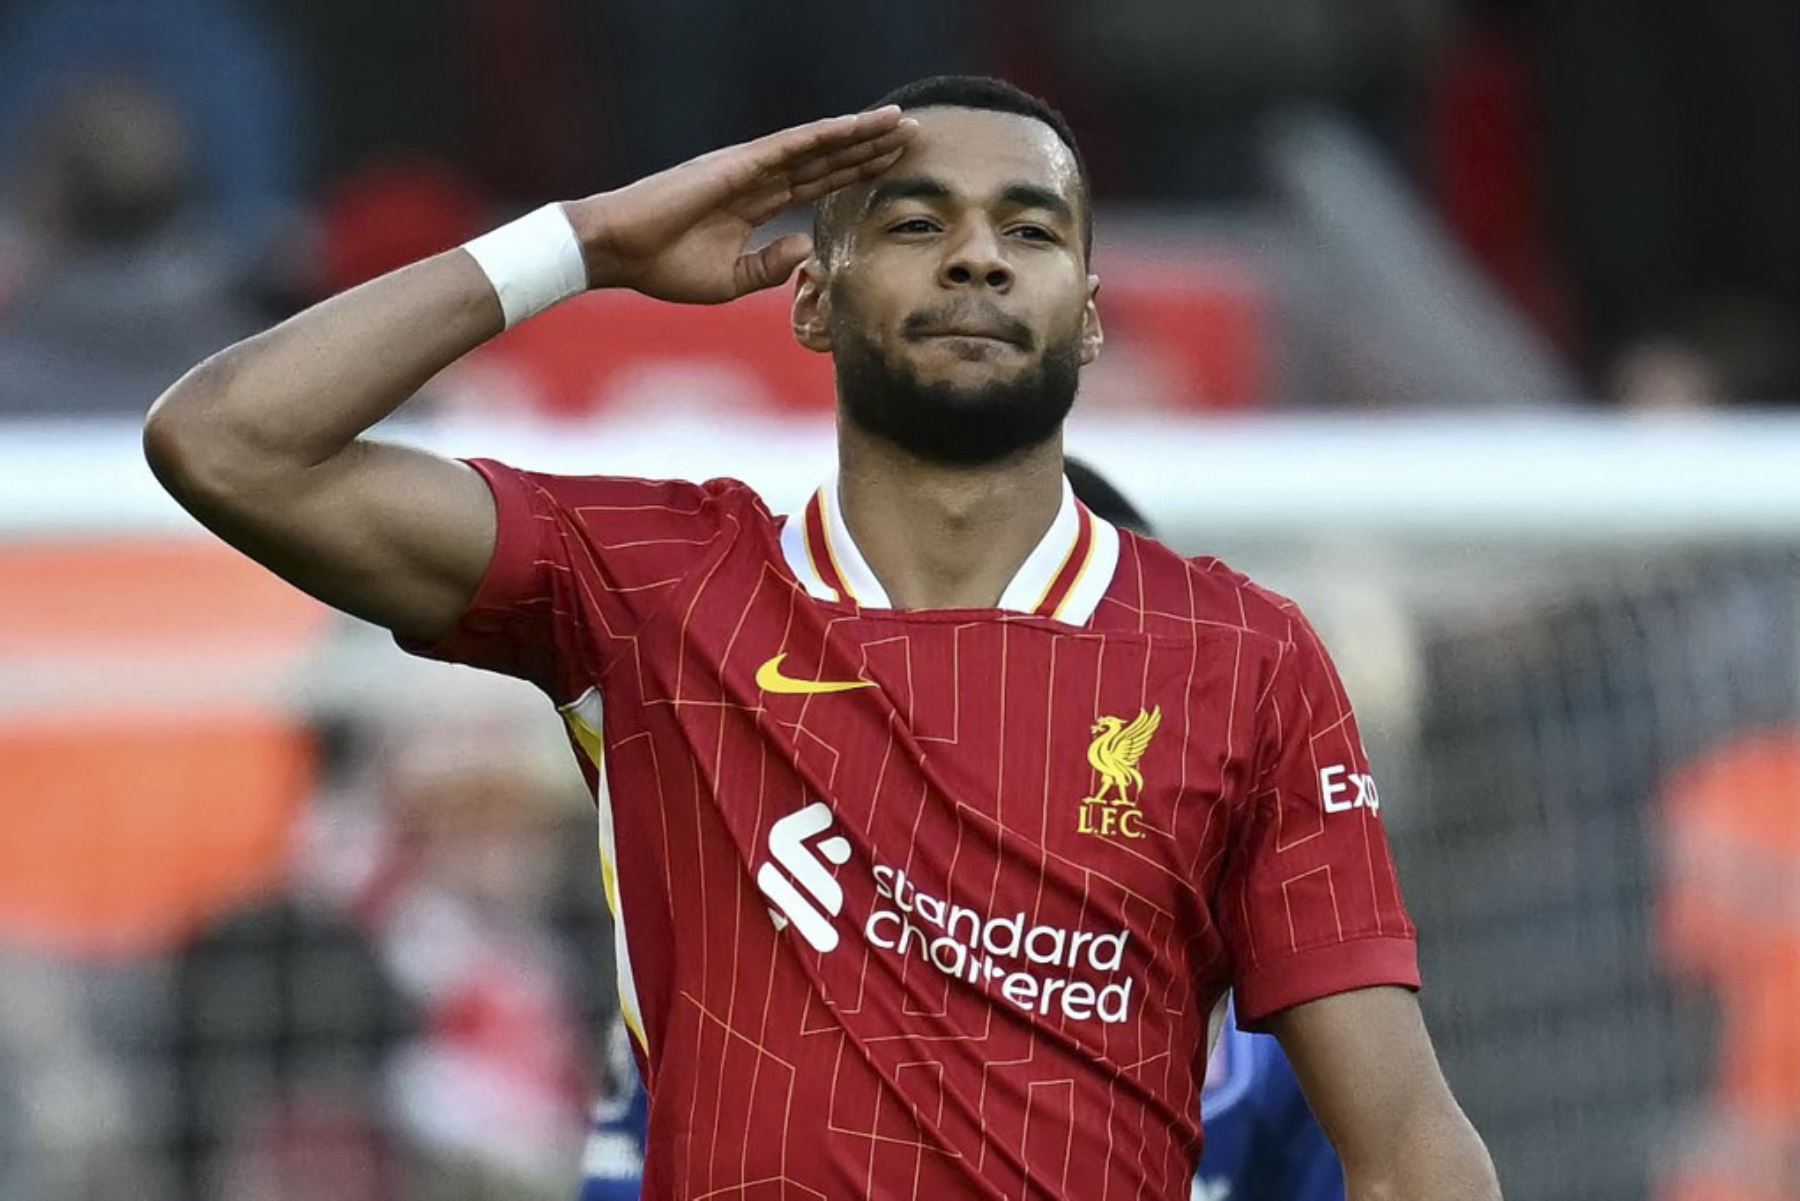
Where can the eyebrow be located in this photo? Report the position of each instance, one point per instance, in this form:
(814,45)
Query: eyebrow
(1033,196)
(921,187)
(908,187)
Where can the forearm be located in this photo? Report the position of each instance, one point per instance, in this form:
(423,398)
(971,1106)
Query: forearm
(299,393)
(262,441)
(1434,1157)
(1372,1079)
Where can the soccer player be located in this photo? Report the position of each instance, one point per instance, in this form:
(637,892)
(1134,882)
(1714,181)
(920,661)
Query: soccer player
(935,816)
(1262,1143)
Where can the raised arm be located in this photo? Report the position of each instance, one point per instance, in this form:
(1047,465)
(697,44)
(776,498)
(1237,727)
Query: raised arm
(1366,1065)
(264,444)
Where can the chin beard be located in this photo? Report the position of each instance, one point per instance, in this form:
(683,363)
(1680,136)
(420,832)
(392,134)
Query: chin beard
(950,425)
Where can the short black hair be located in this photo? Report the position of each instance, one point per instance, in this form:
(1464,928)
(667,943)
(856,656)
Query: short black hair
(1105,501)
(978,92)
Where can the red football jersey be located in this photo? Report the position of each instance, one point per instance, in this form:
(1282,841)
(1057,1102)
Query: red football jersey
(935,904)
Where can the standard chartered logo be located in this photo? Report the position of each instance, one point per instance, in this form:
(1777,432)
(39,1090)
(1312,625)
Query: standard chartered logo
(1038,967)
(787,843)
(1032,966)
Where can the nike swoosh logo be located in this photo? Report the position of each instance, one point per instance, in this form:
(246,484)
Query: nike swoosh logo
(770,679)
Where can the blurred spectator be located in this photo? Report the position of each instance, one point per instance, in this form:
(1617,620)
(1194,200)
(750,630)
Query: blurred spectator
(458,897)
(1728,347)
(285,1018)
(406,1022)
(111,282)
(1664,375)
(227,82)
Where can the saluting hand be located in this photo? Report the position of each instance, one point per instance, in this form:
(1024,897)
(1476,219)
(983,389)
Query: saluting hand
(684,234)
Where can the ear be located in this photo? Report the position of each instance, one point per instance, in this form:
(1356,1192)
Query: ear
(1092,336)
(811,313)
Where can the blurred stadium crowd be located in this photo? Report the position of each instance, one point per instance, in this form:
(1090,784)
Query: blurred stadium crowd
(177,172)
(1305,205)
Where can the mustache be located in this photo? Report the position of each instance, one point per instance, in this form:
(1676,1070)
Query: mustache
(975,318)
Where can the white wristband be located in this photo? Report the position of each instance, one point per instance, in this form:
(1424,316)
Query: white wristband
(533,262)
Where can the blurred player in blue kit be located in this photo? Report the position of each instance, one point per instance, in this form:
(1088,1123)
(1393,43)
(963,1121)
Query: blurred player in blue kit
(1262,1143)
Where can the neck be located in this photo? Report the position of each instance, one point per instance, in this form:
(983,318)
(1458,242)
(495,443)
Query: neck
(942,537)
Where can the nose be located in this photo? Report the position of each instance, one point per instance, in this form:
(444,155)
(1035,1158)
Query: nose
(975,260)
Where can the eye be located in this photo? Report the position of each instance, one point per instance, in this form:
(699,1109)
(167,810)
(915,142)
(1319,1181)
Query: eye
(1033,233)
(913,225)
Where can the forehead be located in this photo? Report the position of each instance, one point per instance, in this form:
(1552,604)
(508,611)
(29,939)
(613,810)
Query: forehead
(976,151)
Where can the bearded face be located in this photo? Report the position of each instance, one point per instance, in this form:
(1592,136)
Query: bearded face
(953,292)
(987,410)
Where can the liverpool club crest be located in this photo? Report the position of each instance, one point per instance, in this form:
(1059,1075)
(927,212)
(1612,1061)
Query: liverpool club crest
(1118,745)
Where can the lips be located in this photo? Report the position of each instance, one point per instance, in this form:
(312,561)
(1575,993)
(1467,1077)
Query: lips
(990,335)
(992,330)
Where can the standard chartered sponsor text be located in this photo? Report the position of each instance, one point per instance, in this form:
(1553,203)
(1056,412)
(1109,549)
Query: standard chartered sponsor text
(1003,953)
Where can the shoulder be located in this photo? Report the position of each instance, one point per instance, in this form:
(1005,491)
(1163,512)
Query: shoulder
(623,492)
(622,502)
(1168,593)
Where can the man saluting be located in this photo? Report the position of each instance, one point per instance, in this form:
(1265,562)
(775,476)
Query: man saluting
(866,947)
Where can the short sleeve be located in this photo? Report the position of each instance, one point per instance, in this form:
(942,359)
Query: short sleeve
(580,562)
(1310,903)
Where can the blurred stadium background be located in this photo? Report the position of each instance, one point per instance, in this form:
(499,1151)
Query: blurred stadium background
(1470,325)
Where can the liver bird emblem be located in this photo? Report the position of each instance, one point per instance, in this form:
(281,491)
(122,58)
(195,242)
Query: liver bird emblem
(1115,751)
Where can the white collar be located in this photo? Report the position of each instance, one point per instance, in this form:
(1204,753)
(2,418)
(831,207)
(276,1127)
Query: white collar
(1063,578)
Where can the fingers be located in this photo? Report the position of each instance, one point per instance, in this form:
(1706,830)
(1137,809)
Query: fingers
(844,177)
(772,264)
(800,165)
(820,164)
(809,152)
(812,178)
(780,196)
(783,149)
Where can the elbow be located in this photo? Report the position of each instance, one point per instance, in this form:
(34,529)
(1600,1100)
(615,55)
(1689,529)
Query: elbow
(175,436)
(165,441)
(189,444)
